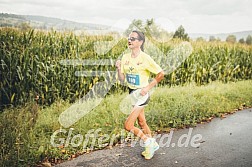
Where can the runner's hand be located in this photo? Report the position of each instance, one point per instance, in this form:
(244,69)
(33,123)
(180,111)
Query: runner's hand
(144,91)
(118,64)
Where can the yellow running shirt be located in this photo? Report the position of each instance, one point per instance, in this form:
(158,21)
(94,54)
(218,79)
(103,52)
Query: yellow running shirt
(137,70)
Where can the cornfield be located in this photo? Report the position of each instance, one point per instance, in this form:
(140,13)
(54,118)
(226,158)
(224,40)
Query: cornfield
(30,64)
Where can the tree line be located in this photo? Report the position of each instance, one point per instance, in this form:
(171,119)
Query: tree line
(151,29)
(232,39)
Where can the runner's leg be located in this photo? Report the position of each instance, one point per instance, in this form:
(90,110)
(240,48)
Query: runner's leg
(142,123)
(129,123)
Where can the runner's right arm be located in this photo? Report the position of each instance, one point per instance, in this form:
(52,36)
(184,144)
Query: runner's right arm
(121,76)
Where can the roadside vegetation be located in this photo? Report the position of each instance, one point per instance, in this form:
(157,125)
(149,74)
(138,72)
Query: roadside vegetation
(36,87)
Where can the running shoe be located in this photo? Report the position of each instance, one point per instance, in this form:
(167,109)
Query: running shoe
(150,149)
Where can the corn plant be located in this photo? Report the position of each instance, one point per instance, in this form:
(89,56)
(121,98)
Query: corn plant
(30,64)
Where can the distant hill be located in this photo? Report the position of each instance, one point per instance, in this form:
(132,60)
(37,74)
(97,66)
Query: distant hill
(222,36)
(45,23)
(41,22)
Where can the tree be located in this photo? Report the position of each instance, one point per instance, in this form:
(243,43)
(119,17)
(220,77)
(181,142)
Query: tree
(212,38)
(156,32)
(249,40)
(150,29)
(180,33)
(231,39)
(200,39)
(135,25)
(242,41)
(25,26)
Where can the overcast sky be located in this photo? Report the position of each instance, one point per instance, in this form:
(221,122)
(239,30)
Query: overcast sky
(197,16)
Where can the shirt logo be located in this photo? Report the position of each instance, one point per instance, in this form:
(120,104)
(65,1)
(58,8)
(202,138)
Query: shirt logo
(131,69)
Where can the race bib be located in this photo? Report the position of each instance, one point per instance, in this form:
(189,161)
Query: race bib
(133,79)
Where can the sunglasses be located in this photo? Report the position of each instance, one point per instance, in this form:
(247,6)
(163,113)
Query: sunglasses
(133,39)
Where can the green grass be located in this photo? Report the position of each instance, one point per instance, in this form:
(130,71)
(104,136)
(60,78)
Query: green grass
(26,131)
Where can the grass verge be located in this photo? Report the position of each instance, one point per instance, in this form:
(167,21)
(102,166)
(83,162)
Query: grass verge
(27,131)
